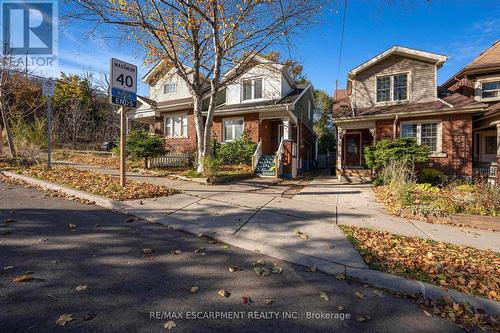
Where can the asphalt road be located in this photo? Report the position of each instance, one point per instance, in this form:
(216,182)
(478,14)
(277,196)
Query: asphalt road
(128,291)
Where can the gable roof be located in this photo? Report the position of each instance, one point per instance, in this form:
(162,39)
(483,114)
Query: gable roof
(487,60)
(438,59)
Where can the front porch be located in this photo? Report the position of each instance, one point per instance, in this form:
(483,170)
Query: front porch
(486,160)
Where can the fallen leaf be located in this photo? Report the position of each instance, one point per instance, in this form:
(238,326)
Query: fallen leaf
(170,325)
(324,296)
(340,276)
(226,246)
(72,226)
(195,289)
(6,268)
(147,251)
(259,262)
(64,318)
(301,235)
(200,249)
(233,269)
(277,269)
(81,287)
(268,301)
(8,221)
(176,251)
(311,269)
(224,293)
(340,308)
(246,300)
(362,318)
(23,278)
(359,295)
(378,293)
(262,271)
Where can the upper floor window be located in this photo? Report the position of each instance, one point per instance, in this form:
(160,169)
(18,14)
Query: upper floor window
(392,88)
(252,89)
(424,133)
(176,126)
(169,88)
(490,89)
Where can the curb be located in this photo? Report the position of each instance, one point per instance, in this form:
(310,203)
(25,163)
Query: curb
(97,199)
(372,277)
(375,278)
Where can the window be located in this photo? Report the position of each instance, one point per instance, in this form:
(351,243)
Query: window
(176,126)
(424,133)
(490,89)
(233,129)
(169,88)
(490,147)
(392,88)
(252,89)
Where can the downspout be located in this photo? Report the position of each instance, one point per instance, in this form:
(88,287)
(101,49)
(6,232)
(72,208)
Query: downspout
(394,126)
(354,97)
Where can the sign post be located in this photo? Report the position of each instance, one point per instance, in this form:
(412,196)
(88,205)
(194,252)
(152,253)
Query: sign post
(124,93)
(48,91)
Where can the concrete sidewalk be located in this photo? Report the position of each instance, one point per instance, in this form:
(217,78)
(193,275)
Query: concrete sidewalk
(356,206)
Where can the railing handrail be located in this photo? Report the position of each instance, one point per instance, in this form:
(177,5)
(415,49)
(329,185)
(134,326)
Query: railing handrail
(280,157)
(491,171)
(257,155)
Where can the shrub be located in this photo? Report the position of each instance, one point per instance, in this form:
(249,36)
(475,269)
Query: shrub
(211,166)
(402,149)
(142,145)
(398,172)
(432,176)
(29,134)
(239,151)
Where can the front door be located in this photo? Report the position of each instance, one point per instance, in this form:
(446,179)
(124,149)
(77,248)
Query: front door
(353,150)
(276,135)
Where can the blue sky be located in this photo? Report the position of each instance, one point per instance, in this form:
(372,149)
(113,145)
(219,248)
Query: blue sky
(458,29)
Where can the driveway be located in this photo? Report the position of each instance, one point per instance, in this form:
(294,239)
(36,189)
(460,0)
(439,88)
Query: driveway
(124,286)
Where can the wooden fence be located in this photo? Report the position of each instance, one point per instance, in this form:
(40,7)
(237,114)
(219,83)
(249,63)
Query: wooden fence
(171,160)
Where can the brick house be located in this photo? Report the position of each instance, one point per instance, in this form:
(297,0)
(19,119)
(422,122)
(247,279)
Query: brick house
(264,102)
(395,94)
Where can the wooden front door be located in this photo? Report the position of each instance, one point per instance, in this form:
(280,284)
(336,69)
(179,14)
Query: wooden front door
(353,150)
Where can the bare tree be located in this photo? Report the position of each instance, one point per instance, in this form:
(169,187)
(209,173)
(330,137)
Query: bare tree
(76,117)
(201,39)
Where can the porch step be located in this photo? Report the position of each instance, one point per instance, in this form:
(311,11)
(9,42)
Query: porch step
(265,167)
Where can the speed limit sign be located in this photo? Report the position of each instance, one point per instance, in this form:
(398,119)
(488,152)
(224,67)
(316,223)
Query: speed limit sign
(123,83)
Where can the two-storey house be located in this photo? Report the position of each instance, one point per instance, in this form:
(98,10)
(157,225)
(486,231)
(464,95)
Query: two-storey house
(264,102)
(395,94)
(480,80)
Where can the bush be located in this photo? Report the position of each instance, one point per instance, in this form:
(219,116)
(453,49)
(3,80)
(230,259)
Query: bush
(402,149)
(432,176)
(142,145)
(29,134)
(239,151)
(211,166)
(398,172)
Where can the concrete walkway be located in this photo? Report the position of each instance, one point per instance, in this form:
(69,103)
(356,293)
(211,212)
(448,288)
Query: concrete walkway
(356,206)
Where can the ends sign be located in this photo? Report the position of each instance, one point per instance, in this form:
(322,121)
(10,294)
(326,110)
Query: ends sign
(123,83)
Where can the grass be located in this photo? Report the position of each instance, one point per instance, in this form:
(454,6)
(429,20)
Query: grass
(96,183)
(463,268)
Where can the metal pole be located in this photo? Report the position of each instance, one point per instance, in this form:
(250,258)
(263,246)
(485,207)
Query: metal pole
(49,130)
(123,130)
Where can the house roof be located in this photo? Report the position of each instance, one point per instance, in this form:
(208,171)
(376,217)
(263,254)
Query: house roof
(492,109)
(447,101)
(438,59)
(487,60)
(290,98)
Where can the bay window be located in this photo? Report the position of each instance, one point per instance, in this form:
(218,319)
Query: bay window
(392,88)
(232,129)
(176,126)
(252,89)
(424,133)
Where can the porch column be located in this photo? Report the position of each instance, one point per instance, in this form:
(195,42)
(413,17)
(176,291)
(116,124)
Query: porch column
(340,137)
(373,132)
(287,129)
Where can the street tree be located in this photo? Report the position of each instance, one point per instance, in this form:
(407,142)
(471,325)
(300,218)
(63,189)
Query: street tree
(202,39)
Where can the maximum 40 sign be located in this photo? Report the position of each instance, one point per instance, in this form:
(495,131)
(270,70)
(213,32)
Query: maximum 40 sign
(123,83)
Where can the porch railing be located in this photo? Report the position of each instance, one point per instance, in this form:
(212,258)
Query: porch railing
(279,159)
(257,155)
(491,171)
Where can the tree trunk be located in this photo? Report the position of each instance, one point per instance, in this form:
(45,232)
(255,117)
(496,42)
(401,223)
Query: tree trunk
(1,138)
(7,129)
(200,138)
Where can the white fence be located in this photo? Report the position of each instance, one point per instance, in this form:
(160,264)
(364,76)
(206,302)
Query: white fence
(171,160)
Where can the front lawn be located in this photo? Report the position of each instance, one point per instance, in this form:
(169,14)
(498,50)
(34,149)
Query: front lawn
(444,200)
(240,170)
(462,268)
(99,160)
(96,183)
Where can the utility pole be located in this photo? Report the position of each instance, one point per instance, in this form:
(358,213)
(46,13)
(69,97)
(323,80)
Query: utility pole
(123,136)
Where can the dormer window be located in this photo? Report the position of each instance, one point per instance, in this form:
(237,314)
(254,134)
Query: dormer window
(490,89)
(392,88)
(169,88)
(252,89)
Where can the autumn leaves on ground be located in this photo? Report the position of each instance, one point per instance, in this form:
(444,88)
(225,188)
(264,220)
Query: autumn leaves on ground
(459,267)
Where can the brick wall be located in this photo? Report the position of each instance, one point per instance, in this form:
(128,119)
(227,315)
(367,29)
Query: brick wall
(456,131)
(179,144)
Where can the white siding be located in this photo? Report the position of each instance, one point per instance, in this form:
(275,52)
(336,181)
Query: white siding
(272,85)
(156,91)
